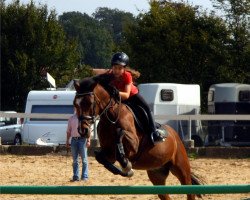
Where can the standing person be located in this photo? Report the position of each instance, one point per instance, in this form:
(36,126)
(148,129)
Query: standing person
(122,81)
(79,146)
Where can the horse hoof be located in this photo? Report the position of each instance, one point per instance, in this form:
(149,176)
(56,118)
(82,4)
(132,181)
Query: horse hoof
(127,168)
(130,173)
(96,152)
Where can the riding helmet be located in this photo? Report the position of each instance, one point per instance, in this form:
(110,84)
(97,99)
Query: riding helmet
(120,58)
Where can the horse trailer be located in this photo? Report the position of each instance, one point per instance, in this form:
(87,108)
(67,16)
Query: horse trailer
(175,99)
(47,131)
(229,99)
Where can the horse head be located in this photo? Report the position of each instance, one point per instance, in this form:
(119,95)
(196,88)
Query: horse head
(93,98)
(84,105)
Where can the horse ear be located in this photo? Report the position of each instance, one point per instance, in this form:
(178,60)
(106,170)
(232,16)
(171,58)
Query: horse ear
(77,85)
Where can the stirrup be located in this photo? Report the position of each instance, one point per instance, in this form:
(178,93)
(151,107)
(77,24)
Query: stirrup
(156,137)
(160,132)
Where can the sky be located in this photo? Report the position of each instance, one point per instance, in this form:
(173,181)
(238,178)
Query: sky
(90,6)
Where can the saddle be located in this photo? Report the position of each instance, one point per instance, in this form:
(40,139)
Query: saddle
(140,117)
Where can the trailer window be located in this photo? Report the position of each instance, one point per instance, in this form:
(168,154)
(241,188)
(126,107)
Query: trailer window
(167,95)
(52,109)
(244,95)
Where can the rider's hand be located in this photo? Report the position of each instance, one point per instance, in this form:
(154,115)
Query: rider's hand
(115,94)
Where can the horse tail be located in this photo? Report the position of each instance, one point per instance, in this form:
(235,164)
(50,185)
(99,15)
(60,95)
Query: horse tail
(197,181)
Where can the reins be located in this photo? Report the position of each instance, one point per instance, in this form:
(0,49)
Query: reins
(118,113)
(105,110)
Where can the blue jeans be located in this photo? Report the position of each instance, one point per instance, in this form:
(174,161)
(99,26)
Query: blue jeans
(78,147)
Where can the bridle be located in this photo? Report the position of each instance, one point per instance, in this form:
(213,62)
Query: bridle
(87,117)
(92,118)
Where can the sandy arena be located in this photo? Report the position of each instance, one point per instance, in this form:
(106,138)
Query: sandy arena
(56,169)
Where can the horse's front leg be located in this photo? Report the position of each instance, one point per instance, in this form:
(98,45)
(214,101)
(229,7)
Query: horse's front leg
(101,158)
(120,153)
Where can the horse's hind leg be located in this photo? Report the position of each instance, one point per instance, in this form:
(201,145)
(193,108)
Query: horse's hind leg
(181,169)
(158,177)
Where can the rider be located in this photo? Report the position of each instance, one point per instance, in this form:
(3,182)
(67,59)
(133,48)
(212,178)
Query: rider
(122,81)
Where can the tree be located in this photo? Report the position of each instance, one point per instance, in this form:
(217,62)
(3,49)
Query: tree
(32,40)
(175,42)
(115,21)
(237,17)
(94,42)
(179,42)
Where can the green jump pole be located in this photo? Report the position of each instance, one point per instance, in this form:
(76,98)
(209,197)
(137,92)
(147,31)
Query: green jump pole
(185,189)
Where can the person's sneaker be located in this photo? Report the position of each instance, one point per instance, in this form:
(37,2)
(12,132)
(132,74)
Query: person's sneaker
(74,179)
(157,136)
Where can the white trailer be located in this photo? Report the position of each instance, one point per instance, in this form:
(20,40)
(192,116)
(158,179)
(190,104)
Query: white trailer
(47,131)
(231,99)
(175,99)
(163,99)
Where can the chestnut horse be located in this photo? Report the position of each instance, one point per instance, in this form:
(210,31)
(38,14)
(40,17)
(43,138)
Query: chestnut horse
(121,140)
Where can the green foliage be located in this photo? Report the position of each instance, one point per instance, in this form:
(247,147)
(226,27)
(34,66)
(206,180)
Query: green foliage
(83,71)
(116,22)
(94,42)
(32,39)
(175,42)
(237,17)
(174,39)
(193,156)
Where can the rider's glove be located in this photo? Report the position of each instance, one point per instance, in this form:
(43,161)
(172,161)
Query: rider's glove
(115,94)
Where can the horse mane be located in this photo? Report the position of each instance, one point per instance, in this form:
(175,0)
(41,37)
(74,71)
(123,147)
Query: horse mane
(103,79)
(88,84)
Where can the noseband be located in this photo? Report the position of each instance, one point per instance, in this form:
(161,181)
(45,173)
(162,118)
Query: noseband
(82,118)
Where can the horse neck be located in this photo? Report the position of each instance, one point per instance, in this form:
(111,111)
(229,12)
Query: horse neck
(102,96)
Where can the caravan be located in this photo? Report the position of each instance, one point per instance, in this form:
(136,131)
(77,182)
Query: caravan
(47,131)
(175,99)
(230,99)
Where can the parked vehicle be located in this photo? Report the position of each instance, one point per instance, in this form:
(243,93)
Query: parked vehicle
(231,99)
(175,99)
(10,130)
(47,131)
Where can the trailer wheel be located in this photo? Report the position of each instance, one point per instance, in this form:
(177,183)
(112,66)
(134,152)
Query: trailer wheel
(17,139)
(197,141)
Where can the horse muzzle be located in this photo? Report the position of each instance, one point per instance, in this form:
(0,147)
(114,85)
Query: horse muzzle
(83,125)
(84,132)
